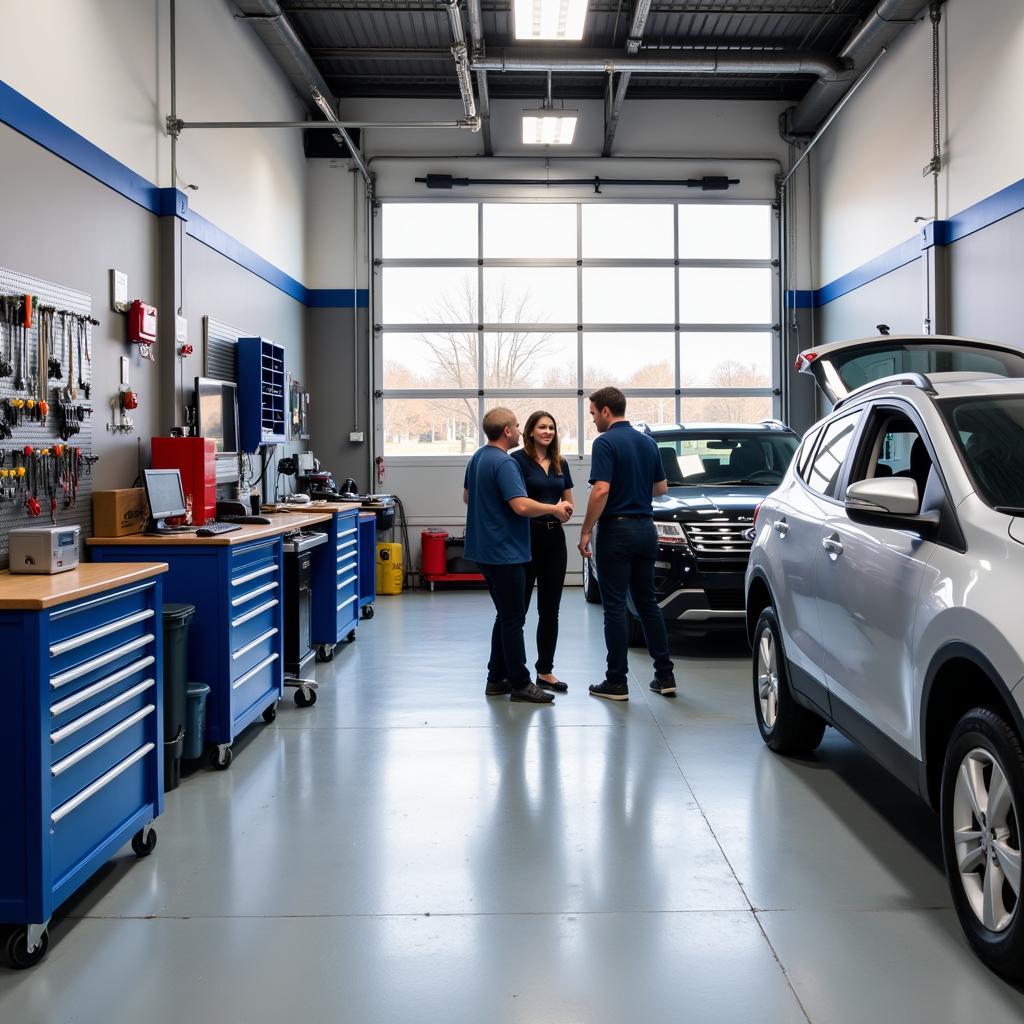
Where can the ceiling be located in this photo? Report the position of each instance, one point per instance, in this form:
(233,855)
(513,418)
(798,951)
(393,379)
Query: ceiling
(401,47)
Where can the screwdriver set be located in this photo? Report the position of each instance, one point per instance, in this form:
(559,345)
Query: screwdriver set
(46,362)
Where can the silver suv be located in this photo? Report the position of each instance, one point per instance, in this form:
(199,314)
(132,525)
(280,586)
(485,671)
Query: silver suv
(881,598)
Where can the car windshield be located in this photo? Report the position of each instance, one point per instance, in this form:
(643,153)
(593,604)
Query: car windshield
(990,433)
(718,460)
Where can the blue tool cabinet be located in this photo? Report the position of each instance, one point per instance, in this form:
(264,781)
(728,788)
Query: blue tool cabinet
(367,563)
(336,583)
(236,641)
(81,745)
(262,393)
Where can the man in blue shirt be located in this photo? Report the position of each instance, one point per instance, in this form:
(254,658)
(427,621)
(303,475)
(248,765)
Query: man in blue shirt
(498,540)
(625,473)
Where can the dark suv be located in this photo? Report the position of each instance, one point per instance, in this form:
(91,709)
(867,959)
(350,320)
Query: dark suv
(717,475)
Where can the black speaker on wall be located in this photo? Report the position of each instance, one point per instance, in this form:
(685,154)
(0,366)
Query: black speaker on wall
(321,144)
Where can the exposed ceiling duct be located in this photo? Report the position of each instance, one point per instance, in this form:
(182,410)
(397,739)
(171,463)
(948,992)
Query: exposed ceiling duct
(618,97)
(476,38)
(877,31)
(460,52)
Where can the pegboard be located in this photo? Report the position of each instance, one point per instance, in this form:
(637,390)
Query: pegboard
(45,435)
(221,348)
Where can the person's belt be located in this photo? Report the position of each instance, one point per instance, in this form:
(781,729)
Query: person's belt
(605,519)
(546,524)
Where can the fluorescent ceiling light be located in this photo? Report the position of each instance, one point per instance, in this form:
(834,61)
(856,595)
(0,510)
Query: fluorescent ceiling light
(549,127)
(549,19)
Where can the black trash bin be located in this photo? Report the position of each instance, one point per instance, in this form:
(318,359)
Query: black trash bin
(176,621)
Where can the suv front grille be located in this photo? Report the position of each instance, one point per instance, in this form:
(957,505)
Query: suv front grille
(718,542)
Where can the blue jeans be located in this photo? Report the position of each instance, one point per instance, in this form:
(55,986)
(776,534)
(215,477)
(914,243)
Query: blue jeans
(625,550)
(507,585)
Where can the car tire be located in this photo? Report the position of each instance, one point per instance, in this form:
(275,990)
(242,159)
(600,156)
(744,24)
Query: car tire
(785,726)
(591,590)
(983,744)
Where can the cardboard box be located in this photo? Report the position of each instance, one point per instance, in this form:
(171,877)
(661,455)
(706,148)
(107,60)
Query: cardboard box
(118,513)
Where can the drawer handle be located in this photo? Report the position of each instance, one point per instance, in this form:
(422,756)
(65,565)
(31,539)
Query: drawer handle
(344,603)
(97,601)
(101,741)
(347,533)
(104,684)
(238,581)
(256,611)
(242,680)
(94,634)
(87,719)
(347,544)
(250,548)
(104,659)
(244,598)
(104,780)
(348,567)
(345,582)
(254,643)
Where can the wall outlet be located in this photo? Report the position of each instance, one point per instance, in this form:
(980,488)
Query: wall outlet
(356,437)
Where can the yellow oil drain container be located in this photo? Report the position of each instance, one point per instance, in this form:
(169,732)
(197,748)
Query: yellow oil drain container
(389,568)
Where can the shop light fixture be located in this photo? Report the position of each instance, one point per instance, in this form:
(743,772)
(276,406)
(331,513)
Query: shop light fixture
(549,19)
(544,127)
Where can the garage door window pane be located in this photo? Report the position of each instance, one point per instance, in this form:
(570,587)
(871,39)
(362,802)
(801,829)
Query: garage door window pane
(521,359)
(716,232)
(439,231)
(661,409)
(710,295)
(528,231)
(626,360)
(725,360)
(627,231)
(430,426)
(417,295)
(523,295)
(628,296)
(436,360)
(564,411)
(725,409)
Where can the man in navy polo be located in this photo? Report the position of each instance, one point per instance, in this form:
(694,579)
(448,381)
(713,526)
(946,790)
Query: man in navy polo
(625,473)
(498,540)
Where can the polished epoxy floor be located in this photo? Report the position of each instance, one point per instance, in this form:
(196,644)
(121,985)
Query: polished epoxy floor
(408,850)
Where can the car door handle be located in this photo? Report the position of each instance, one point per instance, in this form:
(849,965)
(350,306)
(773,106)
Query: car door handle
(833,545)
(781,527)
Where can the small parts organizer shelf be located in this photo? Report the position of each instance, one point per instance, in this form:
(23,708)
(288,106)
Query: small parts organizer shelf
(81,739)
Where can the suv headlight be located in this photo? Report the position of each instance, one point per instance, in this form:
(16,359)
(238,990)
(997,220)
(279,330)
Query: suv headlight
(671,533)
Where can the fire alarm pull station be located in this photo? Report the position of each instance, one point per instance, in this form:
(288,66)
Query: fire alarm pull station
(142,327)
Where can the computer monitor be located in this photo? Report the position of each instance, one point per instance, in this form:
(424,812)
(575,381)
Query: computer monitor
(165,496)
(216,404)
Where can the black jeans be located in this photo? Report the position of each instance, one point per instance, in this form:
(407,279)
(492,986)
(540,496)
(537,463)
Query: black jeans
(625,550)
(547,570)
(507,586)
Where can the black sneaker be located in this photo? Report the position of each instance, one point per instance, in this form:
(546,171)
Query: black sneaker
(665,686)
(532,694)
(558,686)
(497,688)
(610,691)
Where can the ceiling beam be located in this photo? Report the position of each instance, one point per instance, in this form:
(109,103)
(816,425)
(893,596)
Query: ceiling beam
(633,40)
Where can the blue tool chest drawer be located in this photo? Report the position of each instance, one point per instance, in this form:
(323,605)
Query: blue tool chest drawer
(80,748)
(336,581)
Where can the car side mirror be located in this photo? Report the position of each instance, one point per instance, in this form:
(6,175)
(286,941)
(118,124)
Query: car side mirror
(892,502)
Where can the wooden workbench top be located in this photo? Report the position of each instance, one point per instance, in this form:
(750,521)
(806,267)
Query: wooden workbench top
(331,507)
(23,592)
(256,531)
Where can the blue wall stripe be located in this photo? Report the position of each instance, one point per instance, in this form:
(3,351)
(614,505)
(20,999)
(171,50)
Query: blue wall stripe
(337,298)
(898,256)
(1002,204)
(800,299)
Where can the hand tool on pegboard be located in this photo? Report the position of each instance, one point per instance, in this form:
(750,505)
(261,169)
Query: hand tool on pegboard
(7,326)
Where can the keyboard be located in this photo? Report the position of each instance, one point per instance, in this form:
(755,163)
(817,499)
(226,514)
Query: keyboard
(213,529)
(243,520)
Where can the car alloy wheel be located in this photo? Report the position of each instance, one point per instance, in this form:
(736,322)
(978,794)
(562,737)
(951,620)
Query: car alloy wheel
(987,839)
(768,677)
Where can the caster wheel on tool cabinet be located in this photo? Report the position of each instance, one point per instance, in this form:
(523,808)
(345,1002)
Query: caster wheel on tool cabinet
(16,949)
(269,714)
(325,652)
(351,638)
(303,700)
(143,845)
(368,612)
(221,760)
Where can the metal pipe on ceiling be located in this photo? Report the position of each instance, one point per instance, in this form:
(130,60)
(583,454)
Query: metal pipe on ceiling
(325,125)
(877,31)
(633,41)
(476,37)
(730,62)
(460,53)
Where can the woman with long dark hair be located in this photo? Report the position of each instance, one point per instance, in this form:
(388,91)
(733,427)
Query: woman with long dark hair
(548,481)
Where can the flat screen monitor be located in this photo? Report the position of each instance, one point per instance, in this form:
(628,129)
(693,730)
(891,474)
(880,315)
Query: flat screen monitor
(217,413)
(165,496)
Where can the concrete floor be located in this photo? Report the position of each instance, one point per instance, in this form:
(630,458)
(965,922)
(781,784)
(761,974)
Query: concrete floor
(408,850)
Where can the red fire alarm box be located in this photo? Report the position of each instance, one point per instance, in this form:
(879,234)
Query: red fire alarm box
(196,459)
(142,323)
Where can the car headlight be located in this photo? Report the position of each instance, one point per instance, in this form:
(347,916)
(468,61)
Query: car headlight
(671,533)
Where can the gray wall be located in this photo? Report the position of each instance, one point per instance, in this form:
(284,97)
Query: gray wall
(335,393)
(895,299)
